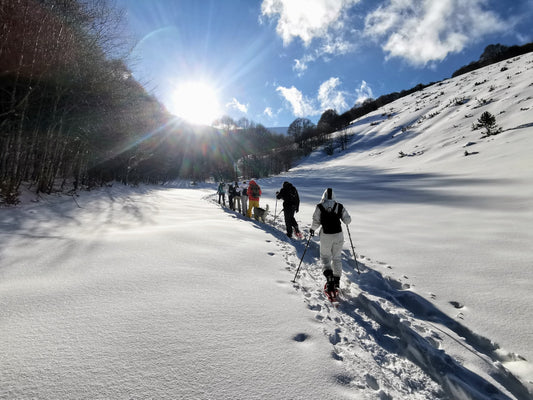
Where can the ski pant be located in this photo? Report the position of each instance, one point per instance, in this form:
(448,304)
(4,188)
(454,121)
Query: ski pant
(244,201)
(290,221)
(251,205)
(223,197)
(237,203)
(331,252)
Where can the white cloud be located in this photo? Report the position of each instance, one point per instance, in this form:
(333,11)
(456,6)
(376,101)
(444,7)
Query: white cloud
(330,47)
(364,92)
(330,97)
(306,19)
(268,112)
(234,103)
(422,31)
(336,46)
(301,106)
(300,65)
(325,23)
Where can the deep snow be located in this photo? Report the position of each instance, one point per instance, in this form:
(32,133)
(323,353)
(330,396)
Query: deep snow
(151,295)
(161,293)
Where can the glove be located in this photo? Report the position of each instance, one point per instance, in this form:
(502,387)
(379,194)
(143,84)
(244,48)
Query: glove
(312,232)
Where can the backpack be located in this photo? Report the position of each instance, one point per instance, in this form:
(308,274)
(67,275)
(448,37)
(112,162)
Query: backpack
(292,196)
(331,220)
(255,191)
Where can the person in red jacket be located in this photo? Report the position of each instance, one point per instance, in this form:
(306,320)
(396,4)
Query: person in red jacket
(254,193)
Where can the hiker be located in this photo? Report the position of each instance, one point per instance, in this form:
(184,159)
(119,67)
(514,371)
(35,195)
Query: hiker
(329,214)
(231,195)
(236,197)
(221,193)
(291,205)
(244,198)
(254,192)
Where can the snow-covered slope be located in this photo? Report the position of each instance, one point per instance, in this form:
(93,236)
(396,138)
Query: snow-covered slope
(443,212)
(162,293)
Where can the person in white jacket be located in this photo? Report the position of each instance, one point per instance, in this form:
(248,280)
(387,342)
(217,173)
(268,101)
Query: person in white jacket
(329,214)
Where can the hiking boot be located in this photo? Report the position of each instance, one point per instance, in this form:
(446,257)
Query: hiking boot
(336,281)
(330,280)
(330,287)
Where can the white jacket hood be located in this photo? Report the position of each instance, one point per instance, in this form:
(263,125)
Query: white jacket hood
(328,195)
(328,198)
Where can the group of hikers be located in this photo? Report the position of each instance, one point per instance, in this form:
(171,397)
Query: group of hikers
(242,199)
(328,215)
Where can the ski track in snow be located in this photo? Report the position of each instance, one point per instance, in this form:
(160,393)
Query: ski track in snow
(389,338)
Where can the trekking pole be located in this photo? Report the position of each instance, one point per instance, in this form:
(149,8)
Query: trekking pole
(303,255)
(275,210)
(353,250)
(278,215)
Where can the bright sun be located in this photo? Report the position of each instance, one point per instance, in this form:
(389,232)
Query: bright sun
(195,102)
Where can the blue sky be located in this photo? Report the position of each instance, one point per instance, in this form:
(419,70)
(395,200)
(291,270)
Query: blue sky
(272,61)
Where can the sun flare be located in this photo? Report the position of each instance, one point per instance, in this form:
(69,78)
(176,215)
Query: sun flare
(196,102)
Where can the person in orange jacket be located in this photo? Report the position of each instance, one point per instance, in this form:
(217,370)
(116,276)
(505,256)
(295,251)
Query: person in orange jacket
(254,193)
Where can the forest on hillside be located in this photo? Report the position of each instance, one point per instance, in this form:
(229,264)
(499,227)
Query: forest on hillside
(72,116)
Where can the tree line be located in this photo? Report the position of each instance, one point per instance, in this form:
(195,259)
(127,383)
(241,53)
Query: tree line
(229,151)
(72,116)
(494,53)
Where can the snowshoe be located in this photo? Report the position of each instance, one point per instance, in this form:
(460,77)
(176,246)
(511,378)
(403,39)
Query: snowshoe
(331,293)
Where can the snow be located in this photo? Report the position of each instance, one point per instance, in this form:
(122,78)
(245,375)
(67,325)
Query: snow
(147,295)
(159,292)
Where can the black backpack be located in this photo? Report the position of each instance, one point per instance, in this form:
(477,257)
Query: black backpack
(331,220)
(292,196)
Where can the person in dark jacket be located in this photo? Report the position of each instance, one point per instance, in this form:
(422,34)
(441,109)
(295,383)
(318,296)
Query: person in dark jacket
(237,197)
(231,196)
(244,198)
(291,205)
(221,193)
